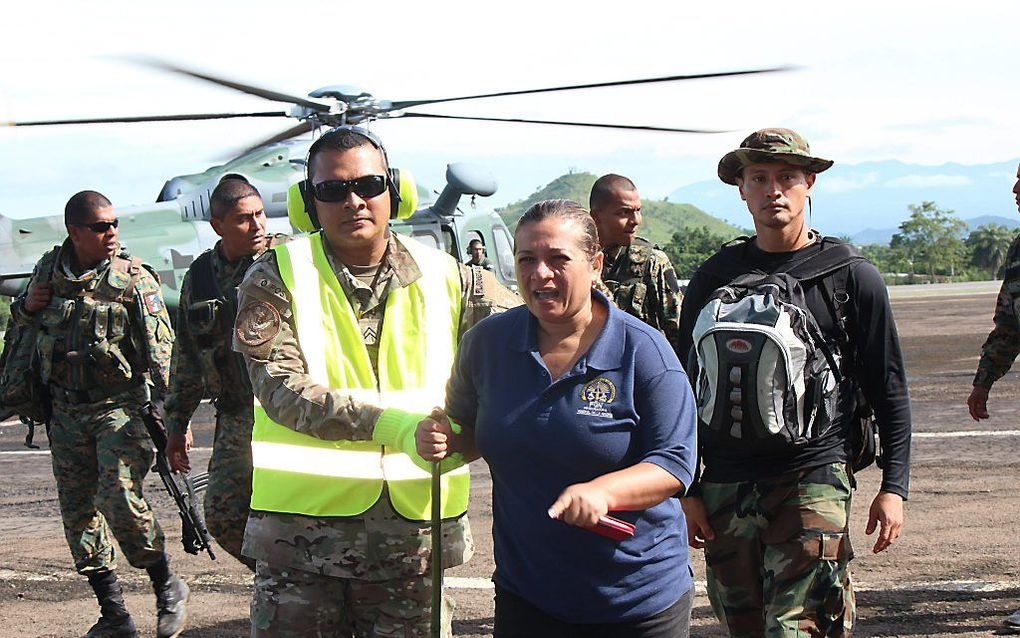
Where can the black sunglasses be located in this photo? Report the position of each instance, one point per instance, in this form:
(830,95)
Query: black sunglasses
(99,227)
(336,190)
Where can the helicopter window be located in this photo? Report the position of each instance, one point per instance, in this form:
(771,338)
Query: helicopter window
(426,238)
(450,241)
(504,256)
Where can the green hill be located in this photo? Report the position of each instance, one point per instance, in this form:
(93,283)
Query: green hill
(661,218)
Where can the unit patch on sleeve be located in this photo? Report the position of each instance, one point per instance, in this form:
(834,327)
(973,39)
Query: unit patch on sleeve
(153,302)
(257,323)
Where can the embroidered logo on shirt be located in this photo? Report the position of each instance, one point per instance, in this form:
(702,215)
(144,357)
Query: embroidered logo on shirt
(598,393)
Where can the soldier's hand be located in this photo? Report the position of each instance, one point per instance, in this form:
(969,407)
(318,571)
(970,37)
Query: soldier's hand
(580,504)
(177,448)
(698,529)
(434,437)
(886,512)
(39,295)
(977,403)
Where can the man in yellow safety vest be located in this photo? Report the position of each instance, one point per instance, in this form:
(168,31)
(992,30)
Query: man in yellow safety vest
(349,335)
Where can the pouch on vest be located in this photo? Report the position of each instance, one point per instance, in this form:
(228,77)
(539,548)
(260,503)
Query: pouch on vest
(627,283)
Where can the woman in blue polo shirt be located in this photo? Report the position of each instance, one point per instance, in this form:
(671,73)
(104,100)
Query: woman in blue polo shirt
(580,411)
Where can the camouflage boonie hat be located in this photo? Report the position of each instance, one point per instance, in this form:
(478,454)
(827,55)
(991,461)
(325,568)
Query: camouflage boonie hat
(770,145)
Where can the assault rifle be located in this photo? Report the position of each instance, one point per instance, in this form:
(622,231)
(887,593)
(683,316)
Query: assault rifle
(194,535)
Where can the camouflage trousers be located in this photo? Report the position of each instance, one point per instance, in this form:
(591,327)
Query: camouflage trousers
(290,603)
(101,454)
(779,564)
(228,496)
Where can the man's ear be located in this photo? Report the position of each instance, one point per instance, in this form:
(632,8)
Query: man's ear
(217,225)
(740,188)
(810,179)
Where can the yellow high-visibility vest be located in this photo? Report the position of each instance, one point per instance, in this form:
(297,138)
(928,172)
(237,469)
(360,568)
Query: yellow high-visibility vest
(299,474)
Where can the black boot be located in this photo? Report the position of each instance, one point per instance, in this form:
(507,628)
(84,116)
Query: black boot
(171,596)
(115,621)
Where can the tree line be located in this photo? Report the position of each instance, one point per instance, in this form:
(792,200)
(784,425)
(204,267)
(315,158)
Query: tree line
(932,245)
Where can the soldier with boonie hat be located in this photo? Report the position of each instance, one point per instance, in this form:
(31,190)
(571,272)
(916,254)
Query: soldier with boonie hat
(766,504)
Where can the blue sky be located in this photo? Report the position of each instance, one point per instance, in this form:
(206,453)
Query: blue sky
(921,82)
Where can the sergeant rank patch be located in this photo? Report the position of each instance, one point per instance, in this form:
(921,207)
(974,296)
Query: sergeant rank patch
(257,323)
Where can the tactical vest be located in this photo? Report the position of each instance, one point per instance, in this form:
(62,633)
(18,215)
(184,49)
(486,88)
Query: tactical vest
(211,313)
(85,339)
(300,474)
(625,278)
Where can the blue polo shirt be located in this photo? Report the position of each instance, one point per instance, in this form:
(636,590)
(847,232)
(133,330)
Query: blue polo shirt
(626,401)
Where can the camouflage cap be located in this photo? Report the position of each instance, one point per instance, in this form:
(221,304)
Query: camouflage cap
(770,145)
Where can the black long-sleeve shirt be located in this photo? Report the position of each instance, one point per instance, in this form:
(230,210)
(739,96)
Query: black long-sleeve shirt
(879,370)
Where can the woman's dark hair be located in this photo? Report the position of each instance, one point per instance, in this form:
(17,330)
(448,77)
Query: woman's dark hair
(567,210)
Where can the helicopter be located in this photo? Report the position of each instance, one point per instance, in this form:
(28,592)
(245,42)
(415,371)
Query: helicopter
(170,233)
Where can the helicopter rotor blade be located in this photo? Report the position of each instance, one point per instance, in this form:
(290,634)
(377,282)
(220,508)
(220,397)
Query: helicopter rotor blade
(148,118)
(293,131)
(626,127)
(268,94)
(671,78)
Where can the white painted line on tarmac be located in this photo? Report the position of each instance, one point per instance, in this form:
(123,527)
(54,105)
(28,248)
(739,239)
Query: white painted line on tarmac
(461,582)
(945,586)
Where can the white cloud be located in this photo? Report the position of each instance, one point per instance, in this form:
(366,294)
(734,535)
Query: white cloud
(844,184)
(929,181)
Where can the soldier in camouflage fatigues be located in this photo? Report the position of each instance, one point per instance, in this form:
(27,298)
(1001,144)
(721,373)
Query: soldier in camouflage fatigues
(365,574)
(205,365)
(638,276)
(103,329)
(1002,345)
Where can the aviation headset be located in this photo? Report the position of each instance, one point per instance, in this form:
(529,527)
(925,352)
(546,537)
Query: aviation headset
(392,174)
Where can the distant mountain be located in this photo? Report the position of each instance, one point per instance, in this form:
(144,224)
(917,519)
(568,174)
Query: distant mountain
(884,235)
(852,199)
(660,218)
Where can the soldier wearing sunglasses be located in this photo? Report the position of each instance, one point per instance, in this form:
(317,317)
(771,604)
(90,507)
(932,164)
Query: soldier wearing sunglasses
(103,336)
(348,335)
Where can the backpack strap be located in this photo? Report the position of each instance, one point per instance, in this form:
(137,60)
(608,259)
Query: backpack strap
(134,269)
(203,279)
(833,256)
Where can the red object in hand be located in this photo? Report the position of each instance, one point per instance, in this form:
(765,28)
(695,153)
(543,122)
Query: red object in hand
(612,528)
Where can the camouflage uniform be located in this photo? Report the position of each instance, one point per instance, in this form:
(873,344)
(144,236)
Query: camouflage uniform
(369,570)
(205,365)
(1003,343)
(642,282)
(102,332)
(795,526)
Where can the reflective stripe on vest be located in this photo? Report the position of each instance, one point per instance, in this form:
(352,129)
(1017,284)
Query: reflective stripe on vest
(300,474)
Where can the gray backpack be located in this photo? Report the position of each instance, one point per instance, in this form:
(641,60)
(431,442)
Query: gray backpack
(766,376)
